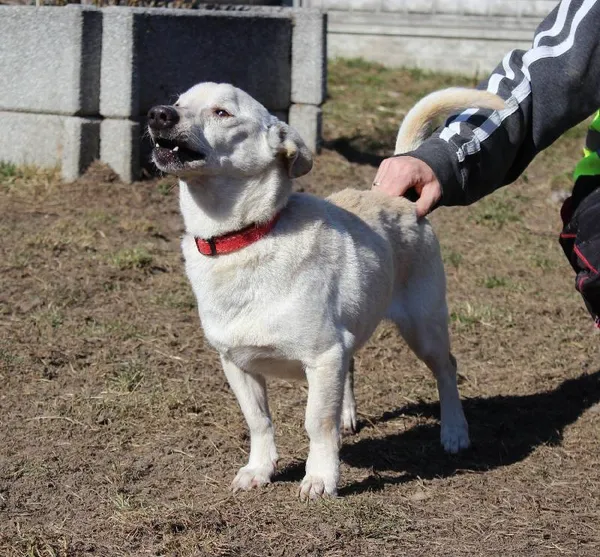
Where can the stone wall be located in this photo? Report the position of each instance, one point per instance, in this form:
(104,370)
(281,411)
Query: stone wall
(465,36)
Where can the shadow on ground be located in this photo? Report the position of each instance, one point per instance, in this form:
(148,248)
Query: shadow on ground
(504,430)
(344,146)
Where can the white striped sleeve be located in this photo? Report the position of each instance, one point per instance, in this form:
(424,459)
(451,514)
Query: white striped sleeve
(547,89)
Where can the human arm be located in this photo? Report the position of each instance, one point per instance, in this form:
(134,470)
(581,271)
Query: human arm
(548,89)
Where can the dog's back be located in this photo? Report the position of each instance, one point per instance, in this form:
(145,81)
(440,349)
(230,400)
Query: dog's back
(394,218)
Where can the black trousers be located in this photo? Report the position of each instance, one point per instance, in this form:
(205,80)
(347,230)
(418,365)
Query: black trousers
(580,240)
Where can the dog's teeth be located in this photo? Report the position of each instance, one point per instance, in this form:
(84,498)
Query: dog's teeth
(175,149)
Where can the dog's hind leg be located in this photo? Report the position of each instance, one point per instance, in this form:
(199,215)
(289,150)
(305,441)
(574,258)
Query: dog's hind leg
(422,319)
(349,404)
(251,392)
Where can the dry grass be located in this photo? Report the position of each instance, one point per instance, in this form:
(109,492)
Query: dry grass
(119,435)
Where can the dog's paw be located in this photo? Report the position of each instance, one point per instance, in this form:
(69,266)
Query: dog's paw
(455,437)
(315,487)
(250,477)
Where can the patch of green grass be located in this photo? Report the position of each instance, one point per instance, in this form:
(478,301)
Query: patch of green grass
(9,359)
(39,547)
(122,502)
(562,181)
(127,377)
(28,180)
(543,262)
(97,217)
(132,258)
(177,299)
(111,286)
(56,319)
(356,64)
(495,213)
(51,316)
(452,257)
(20,258)
(8,170)
(165,188)
(494,282)
(118,329)
(469,316)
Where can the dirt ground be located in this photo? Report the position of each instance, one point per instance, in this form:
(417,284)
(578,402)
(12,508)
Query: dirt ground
(119,435)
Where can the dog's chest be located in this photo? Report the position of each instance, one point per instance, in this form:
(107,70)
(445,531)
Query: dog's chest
(245,312)
(265,360)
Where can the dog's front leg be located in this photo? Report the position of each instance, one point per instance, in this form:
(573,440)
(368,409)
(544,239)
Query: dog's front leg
(325,392)
(251,392)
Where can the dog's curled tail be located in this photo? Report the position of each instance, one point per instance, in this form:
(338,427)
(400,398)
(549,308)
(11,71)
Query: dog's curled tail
(416,125)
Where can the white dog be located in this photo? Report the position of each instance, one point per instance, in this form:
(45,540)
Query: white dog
(291,285)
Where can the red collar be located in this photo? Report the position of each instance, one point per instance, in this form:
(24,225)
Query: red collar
(234,241)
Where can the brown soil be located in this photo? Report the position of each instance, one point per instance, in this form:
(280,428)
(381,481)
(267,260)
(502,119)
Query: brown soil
(119,435)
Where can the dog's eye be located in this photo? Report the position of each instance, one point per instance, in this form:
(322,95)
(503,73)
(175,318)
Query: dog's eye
(221,113)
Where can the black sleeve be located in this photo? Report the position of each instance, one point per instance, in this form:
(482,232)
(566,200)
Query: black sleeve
(548,89)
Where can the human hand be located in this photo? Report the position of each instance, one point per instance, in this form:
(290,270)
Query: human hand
(397,175)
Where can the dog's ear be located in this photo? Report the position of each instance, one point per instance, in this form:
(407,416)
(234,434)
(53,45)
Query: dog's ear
(288,144)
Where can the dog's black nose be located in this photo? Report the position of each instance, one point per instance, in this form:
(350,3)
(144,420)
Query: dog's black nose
(162,117)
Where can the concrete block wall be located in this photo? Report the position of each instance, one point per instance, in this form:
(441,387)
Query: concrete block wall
(50,140)
(49,91)
(92,75)
(464,36)
(534,8)
(309,74)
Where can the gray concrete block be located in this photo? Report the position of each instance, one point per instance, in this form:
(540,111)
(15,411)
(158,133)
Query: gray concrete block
(504,7)
(49,140)
(359,5)
(120,147)
(473,7)
(424,41)
(469,57)
(307,120)
(32,139)
(50,59)
(343,4)
(149,56)
(119,82)
(81,146)
(447,7)
(537,8)
(412,6)
(309,57)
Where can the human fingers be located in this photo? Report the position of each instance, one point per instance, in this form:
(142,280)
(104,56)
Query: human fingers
(394,176)
(430,196)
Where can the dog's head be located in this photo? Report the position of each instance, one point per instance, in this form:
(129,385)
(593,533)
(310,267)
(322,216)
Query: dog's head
(215,129)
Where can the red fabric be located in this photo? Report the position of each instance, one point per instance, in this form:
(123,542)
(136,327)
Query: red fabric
(585,261)
(234,241)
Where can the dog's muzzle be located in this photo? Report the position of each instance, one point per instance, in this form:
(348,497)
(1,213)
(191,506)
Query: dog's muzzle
(171,153)
(162,117)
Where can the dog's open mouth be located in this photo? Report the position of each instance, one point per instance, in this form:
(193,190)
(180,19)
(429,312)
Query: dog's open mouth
(172,155)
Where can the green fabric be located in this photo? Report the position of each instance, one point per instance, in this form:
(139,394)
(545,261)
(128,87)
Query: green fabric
(589,165)
(595,125)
